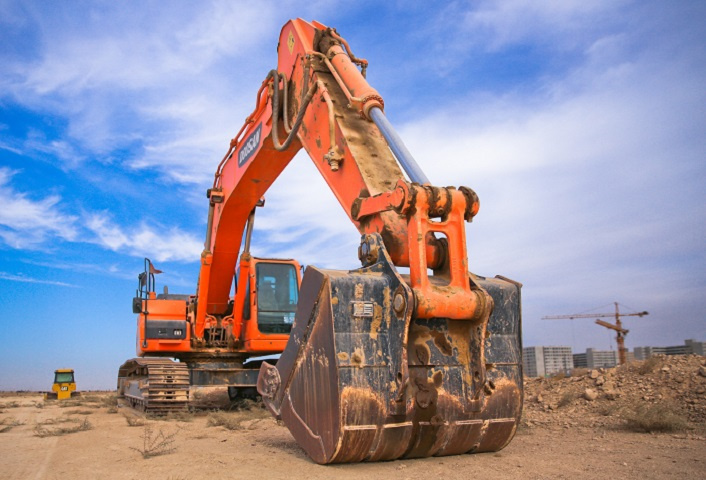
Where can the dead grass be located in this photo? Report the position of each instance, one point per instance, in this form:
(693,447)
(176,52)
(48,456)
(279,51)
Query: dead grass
(80,412)
(185,416)
(7,424)
(10,405)
(649,365)
(109,401)
(155,444)
(660,417)
(566,399)
(133,421)
(55,421)
(41,431)
(221,419)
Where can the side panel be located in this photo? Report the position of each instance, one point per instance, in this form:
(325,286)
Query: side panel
(162,327)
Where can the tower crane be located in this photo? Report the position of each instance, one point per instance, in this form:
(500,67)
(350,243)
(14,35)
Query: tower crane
(617,326)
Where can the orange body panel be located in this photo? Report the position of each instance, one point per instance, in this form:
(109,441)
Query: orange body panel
(166,310)
(244,331)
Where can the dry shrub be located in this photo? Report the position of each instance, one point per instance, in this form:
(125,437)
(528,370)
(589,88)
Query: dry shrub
(134,421)
(154,444)
(579,372)
(9,405)
(80,412)
(610,410)
(41,431)
(182,416)
(113,409)
(566,399)
(6,424)
(558,376)
(649,365)
(110,401)
(660,417)
(220,419)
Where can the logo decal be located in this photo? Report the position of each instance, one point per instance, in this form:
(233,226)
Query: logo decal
(290,42)
(249,146)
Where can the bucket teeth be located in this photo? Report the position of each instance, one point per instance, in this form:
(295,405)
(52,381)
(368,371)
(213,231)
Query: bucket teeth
(360,380)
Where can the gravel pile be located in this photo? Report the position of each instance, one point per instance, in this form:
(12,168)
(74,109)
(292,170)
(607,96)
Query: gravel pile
(662,386)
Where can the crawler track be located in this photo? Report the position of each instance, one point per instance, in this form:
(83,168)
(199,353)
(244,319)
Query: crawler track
(156,386)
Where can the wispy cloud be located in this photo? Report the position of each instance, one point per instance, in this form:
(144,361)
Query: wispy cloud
(30,224)
(171,244)
(21,278)
(27,223)
(495,25)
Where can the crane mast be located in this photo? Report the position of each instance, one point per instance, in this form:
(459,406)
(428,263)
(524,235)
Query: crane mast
(617,326)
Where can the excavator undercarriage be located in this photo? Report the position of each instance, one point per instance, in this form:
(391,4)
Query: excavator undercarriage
(156,386)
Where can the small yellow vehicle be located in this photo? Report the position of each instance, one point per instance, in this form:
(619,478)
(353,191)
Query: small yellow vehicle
(64,385)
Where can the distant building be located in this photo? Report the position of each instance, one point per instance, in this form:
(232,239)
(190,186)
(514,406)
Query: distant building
(545,361)
(601,358)
(697,348)
(596,359)
(580,360)
(690,347)
(643,353)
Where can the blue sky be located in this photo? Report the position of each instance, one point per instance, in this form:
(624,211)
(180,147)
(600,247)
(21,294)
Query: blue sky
(581,125)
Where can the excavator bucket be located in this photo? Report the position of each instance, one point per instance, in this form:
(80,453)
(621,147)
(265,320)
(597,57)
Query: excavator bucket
(361,380)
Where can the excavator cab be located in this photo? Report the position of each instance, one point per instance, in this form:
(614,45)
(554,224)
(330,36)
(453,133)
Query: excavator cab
(265,303)
(277,296)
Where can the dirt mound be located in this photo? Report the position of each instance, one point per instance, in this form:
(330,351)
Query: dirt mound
(663,393)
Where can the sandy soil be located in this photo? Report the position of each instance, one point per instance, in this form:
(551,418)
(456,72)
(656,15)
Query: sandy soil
(252,445)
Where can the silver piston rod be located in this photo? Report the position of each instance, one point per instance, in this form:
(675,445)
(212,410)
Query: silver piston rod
(410,166)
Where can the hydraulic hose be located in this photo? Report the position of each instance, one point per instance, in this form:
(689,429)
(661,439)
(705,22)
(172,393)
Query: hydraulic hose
(275,76)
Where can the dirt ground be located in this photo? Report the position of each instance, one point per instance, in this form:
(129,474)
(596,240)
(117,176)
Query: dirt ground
(562,436)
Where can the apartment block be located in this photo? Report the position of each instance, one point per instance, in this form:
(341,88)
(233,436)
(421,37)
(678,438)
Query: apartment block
(544,361)
(690,346)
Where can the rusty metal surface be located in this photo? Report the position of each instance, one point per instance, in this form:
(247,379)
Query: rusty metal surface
(361,380)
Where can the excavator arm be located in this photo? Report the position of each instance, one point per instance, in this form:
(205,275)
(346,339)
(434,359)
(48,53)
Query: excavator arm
(379,365)
(317,99)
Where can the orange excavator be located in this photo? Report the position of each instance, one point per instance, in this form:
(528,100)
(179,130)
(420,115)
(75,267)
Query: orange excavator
(410,355)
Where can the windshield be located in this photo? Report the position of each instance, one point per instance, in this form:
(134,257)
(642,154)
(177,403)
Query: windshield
(63,377)
(277,296)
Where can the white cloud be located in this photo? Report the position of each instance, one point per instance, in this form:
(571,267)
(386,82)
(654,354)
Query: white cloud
(159,44)
(27,223)
(589,184)
(168,245)
(516,21)
(24,279)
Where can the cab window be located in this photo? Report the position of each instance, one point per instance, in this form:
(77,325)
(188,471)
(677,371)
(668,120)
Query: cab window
(277,296)
(63,377)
